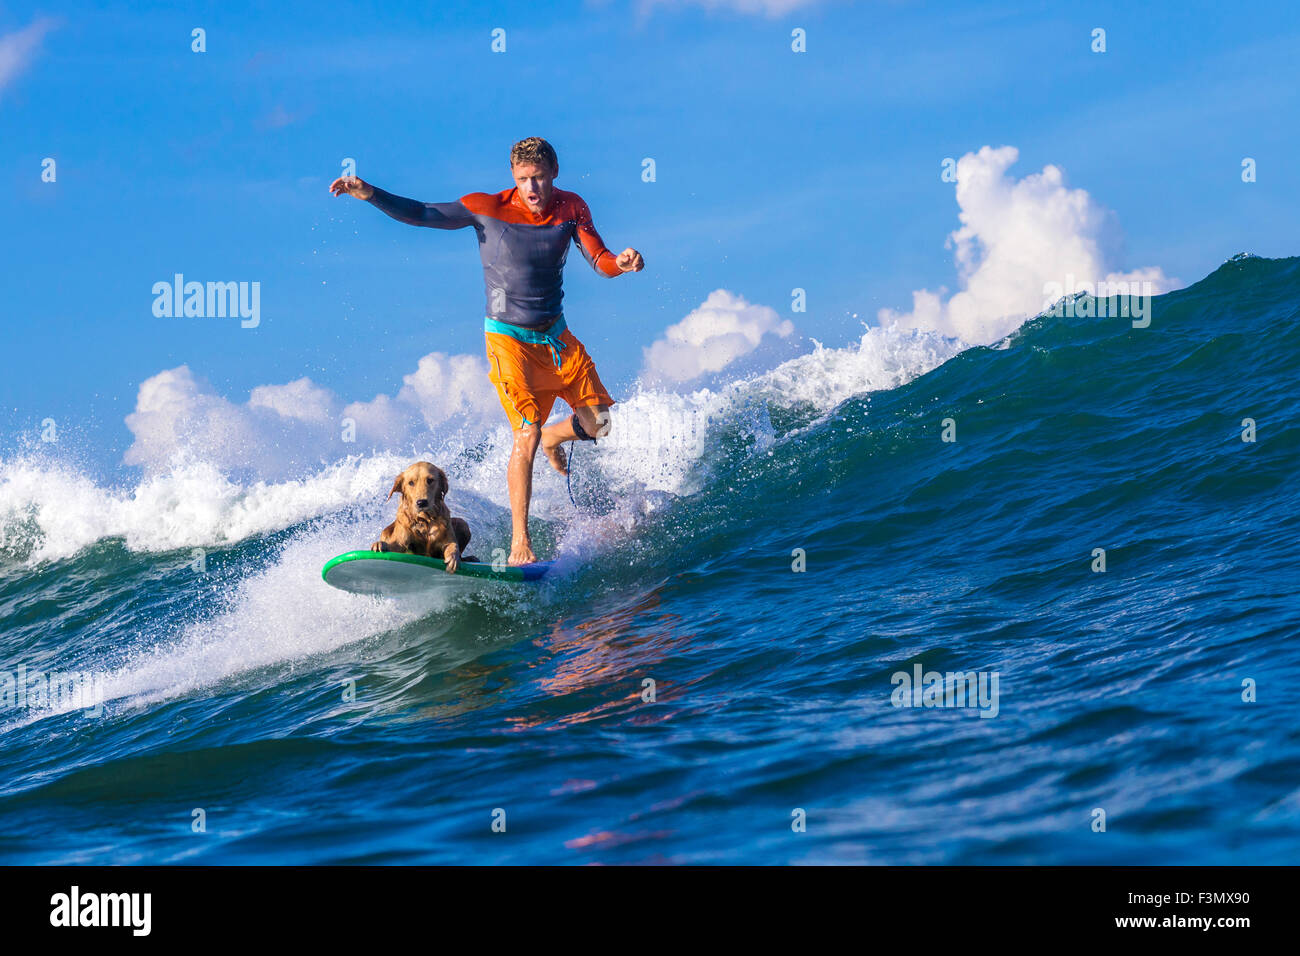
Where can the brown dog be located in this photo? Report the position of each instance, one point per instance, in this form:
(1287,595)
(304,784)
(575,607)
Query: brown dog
(424,524)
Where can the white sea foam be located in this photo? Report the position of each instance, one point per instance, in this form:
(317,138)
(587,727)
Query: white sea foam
(50,511)
(285,612)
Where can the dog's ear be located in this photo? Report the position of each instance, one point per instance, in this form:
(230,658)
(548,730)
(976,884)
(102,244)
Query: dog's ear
(397,485)
(442,477)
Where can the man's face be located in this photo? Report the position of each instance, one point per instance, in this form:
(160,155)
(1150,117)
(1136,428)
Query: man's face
(534,184)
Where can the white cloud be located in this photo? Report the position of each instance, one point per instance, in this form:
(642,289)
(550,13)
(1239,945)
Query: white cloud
(445,387)
(382,419)
(284,427)
(17,49)
(302,400)
(1017,237)
(172,410)
(712,337)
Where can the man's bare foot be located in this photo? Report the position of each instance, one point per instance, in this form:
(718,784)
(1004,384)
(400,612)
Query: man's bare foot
(556,456)
(521,552)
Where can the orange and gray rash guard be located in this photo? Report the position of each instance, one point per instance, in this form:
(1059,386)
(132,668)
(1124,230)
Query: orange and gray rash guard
(523,253)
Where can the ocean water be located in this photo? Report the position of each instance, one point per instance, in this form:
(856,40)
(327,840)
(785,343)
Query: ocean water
(715,677)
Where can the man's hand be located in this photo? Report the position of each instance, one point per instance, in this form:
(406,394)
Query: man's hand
(353,186)
(629,260)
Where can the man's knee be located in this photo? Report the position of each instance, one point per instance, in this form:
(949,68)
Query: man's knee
(527,437)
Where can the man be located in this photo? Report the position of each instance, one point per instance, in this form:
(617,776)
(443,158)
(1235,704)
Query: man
(523,237)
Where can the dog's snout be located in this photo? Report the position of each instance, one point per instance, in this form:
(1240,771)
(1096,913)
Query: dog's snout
(422,503)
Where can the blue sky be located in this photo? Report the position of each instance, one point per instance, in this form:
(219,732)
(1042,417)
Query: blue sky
(775,170)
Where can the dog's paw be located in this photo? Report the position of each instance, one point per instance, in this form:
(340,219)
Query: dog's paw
(452,561)
(377,546)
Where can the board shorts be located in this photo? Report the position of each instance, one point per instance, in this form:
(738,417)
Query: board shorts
(531,369)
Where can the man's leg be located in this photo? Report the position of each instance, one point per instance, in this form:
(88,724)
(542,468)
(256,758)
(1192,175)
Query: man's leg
(586,396)
(519,476)
(527,388)
(595,423)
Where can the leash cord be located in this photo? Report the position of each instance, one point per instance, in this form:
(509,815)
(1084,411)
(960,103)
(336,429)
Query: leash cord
(568,475)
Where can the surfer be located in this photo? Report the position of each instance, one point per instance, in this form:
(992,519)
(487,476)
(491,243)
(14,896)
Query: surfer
(533,358)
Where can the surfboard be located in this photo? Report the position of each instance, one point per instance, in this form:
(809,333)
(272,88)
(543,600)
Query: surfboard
(392,574)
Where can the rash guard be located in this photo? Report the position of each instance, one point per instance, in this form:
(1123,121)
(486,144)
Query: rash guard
(523,253)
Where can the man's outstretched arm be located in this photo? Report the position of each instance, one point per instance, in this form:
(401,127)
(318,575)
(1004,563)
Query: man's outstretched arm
(586,238)
(438,215)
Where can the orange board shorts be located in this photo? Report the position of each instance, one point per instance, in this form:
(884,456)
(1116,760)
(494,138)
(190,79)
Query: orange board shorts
(528,381)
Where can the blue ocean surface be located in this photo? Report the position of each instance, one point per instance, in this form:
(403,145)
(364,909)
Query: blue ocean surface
(753,577)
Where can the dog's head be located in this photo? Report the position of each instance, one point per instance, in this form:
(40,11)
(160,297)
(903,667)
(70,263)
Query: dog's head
(422,486)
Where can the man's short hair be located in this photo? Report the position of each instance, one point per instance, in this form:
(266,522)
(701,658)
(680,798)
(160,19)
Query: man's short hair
(534,150)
